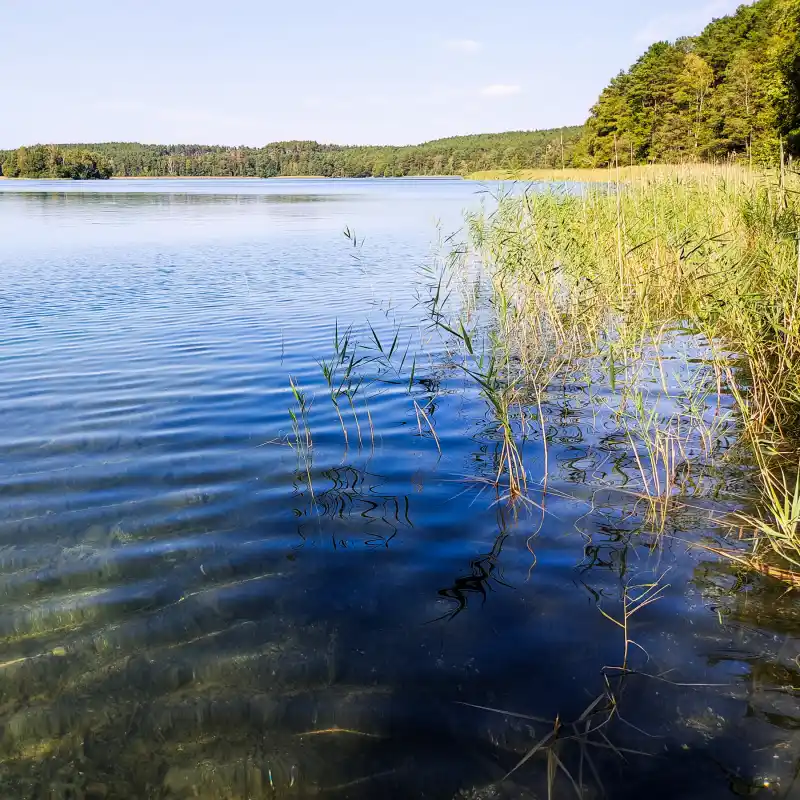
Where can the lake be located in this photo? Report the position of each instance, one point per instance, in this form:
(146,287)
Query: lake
(217,585)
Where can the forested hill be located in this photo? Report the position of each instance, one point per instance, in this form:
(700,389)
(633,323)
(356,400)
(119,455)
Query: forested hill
(732,90)
(454,156)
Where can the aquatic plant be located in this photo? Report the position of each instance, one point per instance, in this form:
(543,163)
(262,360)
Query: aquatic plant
(302,440)
(600,270)
(342,379)
(589,730)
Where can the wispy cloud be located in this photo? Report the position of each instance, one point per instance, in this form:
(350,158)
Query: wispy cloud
(468,46)
(500,90)
(684,23)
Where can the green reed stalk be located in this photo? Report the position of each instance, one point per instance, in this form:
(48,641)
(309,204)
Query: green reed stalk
(713,249)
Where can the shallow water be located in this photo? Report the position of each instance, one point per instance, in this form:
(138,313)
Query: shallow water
(183,616)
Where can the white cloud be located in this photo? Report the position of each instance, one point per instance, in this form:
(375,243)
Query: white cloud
(501,90)
(468,46)
(684,23)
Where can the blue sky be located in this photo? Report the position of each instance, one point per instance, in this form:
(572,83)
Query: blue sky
(254,71)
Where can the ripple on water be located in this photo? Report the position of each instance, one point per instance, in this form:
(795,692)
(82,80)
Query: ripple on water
(184,616)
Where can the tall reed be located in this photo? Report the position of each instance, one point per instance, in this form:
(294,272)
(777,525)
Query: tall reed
(602,267)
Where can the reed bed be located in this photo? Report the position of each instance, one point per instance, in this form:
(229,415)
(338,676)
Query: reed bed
(606,174)
(604,271)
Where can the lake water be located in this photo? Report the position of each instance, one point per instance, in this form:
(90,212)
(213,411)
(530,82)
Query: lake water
(194,606)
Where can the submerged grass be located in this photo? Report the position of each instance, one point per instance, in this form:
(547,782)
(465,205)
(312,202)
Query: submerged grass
(601,271)
(590,730)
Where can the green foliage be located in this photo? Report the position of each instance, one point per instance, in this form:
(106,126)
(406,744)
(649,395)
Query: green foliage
(454,156)
(711,250)
(734,90)
(48,161)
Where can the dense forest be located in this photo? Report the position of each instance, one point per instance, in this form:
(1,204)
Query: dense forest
(455,156)
(734,90)
(51,161)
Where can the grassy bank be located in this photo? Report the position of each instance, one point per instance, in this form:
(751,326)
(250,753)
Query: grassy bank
(602,274)
(607,175)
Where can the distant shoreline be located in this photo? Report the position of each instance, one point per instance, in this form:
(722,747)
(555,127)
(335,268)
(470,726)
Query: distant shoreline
(244,178)
(277,178)
(182,178)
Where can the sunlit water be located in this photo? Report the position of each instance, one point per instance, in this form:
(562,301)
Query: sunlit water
(183,616)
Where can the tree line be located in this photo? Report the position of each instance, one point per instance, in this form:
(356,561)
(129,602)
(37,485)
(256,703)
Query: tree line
(454,156)
(50,161)
(732,91)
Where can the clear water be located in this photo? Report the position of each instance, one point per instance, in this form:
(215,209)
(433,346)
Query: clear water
(183,617)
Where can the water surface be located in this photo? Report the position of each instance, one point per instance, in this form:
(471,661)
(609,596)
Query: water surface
(184,615)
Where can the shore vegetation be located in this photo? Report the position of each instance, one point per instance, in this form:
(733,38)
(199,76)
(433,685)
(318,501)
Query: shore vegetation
(457,155)
(56,162)
(604,280)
